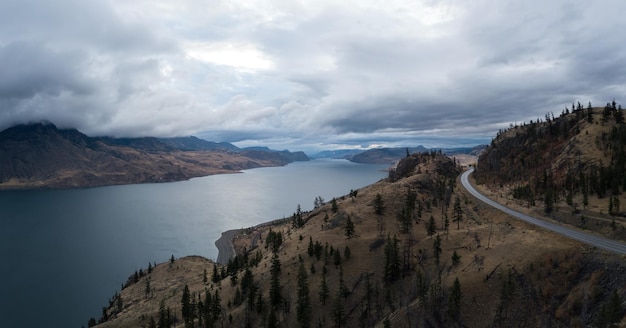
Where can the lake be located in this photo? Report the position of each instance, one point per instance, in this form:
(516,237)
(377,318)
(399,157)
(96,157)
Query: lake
(64,253)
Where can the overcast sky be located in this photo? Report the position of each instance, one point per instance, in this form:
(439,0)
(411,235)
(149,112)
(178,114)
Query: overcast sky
(306,74)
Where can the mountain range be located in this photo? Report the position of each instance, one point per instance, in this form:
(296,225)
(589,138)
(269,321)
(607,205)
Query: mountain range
(42,156)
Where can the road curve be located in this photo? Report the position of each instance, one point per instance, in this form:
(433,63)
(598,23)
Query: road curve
(593,240)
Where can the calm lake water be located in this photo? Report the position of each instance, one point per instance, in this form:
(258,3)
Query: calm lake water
(65,252)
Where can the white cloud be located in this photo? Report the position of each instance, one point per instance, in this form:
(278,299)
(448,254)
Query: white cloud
(243,57)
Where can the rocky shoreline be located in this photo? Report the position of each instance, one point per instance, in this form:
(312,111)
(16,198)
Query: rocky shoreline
(225,247)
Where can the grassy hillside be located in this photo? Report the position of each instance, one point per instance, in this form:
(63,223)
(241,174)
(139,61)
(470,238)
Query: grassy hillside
(411,250)
(571,168)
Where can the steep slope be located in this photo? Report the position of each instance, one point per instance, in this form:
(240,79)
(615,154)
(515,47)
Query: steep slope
(572,168)
(42,156)
(388,254)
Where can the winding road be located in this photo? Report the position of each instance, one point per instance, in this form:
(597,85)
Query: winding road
(593,240)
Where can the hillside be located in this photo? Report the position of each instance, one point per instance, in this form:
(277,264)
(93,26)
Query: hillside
(393,155)
(411,250)
(571,168)
(42,156)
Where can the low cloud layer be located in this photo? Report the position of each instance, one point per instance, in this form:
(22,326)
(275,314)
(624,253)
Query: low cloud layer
(298,75)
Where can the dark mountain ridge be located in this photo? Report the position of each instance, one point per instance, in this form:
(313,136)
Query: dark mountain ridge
(393,155)
(42,156)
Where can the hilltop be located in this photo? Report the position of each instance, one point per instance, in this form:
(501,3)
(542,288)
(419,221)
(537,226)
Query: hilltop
(570,168)
(393,155)
(42,156)
(410,250)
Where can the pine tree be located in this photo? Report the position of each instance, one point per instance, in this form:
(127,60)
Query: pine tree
(454,299)
(216,275)
(431,227)
(207,310)
(323,289)
(260,303)
(275,287)
(455,258)
(148,289)
(437,249)
(164,316)
(216,305)
(349,228)
(392,261)
(336,257)
(303,306)
(379,204)
(338,312)
(458,212)
(333,205)
(186,306)
(311,248)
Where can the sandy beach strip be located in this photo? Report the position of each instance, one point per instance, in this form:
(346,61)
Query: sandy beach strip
(225,247)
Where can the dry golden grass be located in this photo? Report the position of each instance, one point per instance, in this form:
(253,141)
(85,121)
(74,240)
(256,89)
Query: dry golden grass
(489,243)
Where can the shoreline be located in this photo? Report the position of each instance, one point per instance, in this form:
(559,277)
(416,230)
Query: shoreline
(225,247)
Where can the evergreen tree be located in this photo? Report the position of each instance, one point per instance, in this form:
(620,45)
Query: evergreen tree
(458,212)
(437,249)
(164,316)
(303,305)
(405,220)
(272,319)
(379,204)
(338,312)
(275,287)
(548,201)
(347,253)
(207,311)
(455,258)
(216,305)
(349,228)
(392,261)
(311,248)
(431,227)
(187,310)
(148,289)
(333,205)
(454,300)
(343,289)
(298,221)
(336,257)
(260,303)
(247,281)
(216,275)
(323,289)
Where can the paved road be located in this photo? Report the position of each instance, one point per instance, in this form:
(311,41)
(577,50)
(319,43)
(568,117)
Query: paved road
(593,240)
